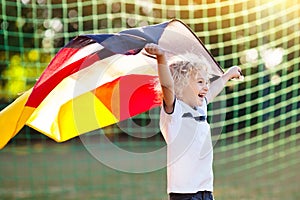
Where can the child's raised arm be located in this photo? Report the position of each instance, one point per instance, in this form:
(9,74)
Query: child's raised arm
(217,86)
(164,74)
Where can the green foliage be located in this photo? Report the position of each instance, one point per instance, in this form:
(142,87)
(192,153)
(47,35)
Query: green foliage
(22,72)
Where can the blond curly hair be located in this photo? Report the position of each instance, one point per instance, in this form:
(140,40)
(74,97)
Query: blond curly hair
(183,68)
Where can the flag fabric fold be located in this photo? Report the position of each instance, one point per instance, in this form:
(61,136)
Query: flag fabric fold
(97,80)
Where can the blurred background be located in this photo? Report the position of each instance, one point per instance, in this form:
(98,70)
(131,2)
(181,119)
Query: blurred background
(257,155)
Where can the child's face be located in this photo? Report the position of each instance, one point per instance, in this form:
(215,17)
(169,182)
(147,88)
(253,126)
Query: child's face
(196,90)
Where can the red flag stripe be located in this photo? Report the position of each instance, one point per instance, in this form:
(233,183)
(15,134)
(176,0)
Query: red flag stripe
(41,90)
(125,96)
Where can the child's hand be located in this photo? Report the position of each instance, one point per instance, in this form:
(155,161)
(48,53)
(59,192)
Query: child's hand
(154,49)
(234,72)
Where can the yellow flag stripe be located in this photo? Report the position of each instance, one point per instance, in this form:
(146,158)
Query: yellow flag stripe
(77,116)
(13,118)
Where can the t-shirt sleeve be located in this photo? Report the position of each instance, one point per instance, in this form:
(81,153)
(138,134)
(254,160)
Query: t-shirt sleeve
(176,109)
(164,105)
(170,121)
(171,117)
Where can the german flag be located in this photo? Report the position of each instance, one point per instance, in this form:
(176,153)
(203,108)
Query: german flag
(98,80)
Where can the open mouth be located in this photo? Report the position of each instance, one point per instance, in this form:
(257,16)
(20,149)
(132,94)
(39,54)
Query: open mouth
(201,95)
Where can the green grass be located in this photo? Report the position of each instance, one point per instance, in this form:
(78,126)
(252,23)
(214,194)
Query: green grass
(67,171)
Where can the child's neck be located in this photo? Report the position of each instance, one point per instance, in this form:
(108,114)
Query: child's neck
(189,104)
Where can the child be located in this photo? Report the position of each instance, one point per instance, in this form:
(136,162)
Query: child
(185,93)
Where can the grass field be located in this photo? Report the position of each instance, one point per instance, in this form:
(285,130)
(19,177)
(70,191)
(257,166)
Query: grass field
(67,171)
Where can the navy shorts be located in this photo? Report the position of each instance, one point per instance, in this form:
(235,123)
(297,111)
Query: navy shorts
(201,195)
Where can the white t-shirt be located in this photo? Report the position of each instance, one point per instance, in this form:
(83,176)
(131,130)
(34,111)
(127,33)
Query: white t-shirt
(189,149)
